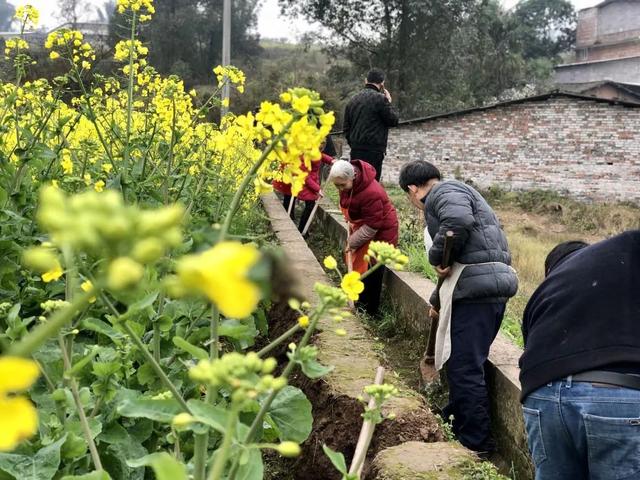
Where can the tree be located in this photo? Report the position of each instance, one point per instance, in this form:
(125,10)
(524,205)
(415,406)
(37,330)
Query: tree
(187,36)
(546,28)
(70,11)
(444,54)
(6,15)
(409,39)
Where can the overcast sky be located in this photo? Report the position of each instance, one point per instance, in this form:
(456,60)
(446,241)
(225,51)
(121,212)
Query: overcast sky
(270,23)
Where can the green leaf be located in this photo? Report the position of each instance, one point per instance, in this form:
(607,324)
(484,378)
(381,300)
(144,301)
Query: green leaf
(337,459)
(291,412)
(105,369)
(146,374)
(164,466)
(41,466)
(142,304)
(115,433)
(194,351)
(101,475)
(310,366)
(12,316)
(74,447)
(157,410)
(237,330)
(165,323)
(80,364)
(103,328)
(313,369)
(253,468)
(211,415)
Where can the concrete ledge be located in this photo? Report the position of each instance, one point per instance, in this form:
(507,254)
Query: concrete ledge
(421,461)
(336,408)
(409,292)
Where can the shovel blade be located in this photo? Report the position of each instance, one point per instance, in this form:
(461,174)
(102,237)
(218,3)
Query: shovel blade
(428,370)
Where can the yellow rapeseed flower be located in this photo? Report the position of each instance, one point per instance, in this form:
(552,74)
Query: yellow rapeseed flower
(222,274)
(99,186)
(330,263)
(352,285)
(27,15)
(303,321)
(53,274)
(87,286)
(18,417)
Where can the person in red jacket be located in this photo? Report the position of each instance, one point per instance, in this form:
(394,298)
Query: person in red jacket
(309,194)
(370,215)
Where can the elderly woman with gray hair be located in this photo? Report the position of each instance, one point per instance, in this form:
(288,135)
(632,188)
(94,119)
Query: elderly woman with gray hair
(370,216)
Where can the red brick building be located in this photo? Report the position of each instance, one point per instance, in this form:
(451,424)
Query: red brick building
(607,45)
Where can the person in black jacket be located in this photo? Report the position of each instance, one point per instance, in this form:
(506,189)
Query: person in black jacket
(367,119)
(580,371)
(483,281)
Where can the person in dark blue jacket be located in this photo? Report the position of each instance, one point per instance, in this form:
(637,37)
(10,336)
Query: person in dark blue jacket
(580,371)
(483,282)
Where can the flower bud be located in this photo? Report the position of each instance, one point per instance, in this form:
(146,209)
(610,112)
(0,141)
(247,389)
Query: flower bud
(147,250)
(39,259)
(269,365)
(124,272)
(288,449)
(182,421)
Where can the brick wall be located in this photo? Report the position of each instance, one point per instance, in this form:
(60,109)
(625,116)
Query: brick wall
(587,149)
(606,52)
(587,28)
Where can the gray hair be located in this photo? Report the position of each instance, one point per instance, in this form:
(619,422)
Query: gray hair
(342,169)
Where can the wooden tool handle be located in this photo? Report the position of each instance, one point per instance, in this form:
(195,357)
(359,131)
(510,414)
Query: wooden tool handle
(446,262)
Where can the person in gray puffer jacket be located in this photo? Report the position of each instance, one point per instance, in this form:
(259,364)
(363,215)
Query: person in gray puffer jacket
(480,295)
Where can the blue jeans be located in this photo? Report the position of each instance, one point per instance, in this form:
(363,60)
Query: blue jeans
(579,430)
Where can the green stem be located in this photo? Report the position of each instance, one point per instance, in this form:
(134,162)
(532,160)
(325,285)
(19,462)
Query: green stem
(170,156)
(94,120)
(371,270)
(125,162)
(156,341)
(202,440)
(156,367)
(257,422)
(50,328)
(249,176)
(223,452)
(86,430)
(281,339)
(145,352)
(156,329)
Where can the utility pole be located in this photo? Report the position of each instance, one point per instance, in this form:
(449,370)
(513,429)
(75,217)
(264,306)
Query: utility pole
(226,50)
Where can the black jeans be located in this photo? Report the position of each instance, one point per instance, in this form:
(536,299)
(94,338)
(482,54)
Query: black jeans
(474,326)
(370,297)
(373,158)
(306,213)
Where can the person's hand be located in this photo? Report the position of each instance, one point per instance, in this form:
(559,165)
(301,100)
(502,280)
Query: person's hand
(414,200)
(443,272)
(433,313)
(320,194)
(387,94)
